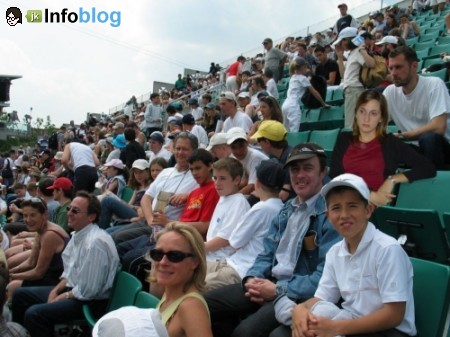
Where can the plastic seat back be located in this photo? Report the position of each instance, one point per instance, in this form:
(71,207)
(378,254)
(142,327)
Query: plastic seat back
(431,289)
(294,138)
(125,289)
(424,45)
(146,300)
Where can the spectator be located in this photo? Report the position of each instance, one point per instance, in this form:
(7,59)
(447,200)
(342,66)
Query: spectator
(153,114)
(285,267)
(274,59)
(180,83)
(62,193)
(379,22)
(196,130)
(249,157)
(235,118)
(298,84)
(211,118)
(82,161)
(327,68)
(246,238)
(386,304)
(90,265)
(133,150)
(180,248)
(155,145)
(391,23)
(356,58)
(375,156)
(269,110)
(116,177)
(346,20)
(233,73)
(218,146)
(419,106)
(408,29)
(271,85)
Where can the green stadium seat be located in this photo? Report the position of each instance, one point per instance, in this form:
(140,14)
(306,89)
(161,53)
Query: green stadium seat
(127,193)
(424,45)
(410,42)
(146,300)
(329,95)
(123,293)
(326,139)
(392,129)
(334,112)
(423,52)
(294,138)
(419,66)
(440,73)
(443,39)
(437,50)
(446,219)
(435,29)
(429,36)
(338,97)
(283,84)
(425,25)
(310,115)
(430,62)
(431,290)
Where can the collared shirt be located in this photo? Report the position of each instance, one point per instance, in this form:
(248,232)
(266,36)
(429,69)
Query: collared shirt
(11,329)
(297,227)
(90,263)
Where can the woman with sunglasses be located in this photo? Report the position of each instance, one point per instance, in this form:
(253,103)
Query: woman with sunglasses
(44,266)
(179,265)
(369,152)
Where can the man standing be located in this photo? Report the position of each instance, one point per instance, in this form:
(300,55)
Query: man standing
(346,20)
(293,257)
(419,106)
(90,265)
(274,59)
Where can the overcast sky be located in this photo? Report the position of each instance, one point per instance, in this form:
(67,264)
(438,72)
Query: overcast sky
(70,69)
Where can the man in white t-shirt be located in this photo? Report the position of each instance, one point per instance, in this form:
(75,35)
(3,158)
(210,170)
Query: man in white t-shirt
(249,157)
(235,118)
(419,106)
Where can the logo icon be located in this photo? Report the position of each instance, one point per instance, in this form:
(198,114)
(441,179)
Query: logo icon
(34,16)
(13,16)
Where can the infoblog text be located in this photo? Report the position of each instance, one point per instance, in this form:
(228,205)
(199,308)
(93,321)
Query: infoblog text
(83,15)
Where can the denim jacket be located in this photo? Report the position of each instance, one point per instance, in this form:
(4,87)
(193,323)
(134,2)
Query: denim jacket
(308,269)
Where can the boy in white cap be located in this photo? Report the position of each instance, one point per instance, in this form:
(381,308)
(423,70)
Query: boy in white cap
(368,269)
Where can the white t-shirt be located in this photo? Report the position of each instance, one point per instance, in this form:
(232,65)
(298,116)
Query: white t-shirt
(163,153)
(170,180)
(271,88)
(201,135)
(378,272)
(81,155)
(224,221)
(241,120)
(247,238)
(429,99)
(197,113)
(352,69)
(297,87)
(251,161)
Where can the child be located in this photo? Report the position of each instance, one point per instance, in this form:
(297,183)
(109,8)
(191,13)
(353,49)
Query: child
(298,84)
(232,206)
(247,238)
(368,269)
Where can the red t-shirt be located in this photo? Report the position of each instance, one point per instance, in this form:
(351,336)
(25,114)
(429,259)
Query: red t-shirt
(233,69)
(366,160)
(200,204)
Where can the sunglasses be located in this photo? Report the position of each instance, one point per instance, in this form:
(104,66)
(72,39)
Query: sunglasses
(74,210)
(172,255)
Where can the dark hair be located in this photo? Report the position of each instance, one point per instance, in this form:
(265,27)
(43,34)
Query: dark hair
(36,203)
(130,134)
(260,82)
(159,161)
(246,72)
(275,110)
(281,144)
(364,98)
(43,184)
(319,49)
(154,95)
(231,165)
(201,155)
(268,73)
(241,58)
(16,11)
(207,97)
(19,186)
(409,53)
(94,207)
(341,190)
(4,280)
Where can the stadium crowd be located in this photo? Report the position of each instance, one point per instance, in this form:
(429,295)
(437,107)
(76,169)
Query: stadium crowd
(202,199)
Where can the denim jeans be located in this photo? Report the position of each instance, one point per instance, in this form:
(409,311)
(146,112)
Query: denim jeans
(113,206)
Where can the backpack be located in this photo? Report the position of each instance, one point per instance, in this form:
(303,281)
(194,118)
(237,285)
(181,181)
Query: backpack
(371,77)
(53,141)
(320,84)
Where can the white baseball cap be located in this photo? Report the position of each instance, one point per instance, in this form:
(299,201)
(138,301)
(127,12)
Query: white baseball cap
(388,39)
(217,139)
(346,33)
(234,134)
(349,180)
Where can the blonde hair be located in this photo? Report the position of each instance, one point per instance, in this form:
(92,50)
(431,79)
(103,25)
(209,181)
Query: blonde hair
(197,245)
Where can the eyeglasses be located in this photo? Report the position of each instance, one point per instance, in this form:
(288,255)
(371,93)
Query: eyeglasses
(74,210)
(172,255)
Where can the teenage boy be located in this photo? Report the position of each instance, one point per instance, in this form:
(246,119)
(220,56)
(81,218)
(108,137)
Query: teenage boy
(247,238)
(232,206)
(368,269)
(153,114)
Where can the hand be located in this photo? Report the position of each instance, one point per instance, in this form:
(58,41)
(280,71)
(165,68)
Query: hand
(52,296)
(301,320)
(339,51)
(27,244)
(159,218)
(60,297)
(381,198)
(178,199)
(260,290)
(326,105)
(323,327)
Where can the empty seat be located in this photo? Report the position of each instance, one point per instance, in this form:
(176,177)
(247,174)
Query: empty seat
(440,73)
(422,53)
(429,62)
(424,45)
(334,112)
(294,138)
(429,36)
(310,115)
(437,50)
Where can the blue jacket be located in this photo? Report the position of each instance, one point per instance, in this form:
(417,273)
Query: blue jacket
(310,263)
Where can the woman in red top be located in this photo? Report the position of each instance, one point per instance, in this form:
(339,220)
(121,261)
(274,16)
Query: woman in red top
(369,152)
